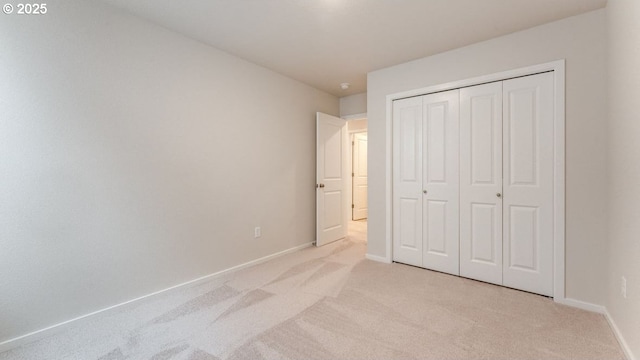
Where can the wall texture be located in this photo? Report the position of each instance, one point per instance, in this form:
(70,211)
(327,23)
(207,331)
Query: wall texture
(581,41)
(623,23)
(353,104)
(134,159)
(357,125)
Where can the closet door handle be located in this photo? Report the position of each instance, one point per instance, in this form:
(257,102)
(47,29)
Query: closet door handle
(424,191)
(499,195)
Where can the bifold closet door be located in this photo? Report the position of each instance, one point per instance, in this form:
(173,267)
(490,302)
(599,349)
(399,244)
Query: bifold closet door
(440,224)
(407,181)
(528,183)
(425,183)
(481,182)
(473,182)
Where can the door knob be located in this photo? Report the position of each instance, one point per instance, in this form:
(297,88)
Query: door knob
(499,195)
(321,185)
(424,191)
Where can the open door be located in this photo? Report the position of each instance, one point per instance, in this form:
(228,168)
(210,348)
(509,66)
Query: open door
(332,180)
(359,177)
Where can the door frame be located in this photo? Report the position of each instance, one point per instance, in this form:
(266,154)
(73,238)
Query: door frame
(558,68)
(361,116)
(352,137)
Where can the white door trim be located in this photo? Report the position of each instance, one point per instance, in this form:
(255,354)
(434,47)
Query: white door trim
(558,67)
(352,134)
(350,160)
(361,116)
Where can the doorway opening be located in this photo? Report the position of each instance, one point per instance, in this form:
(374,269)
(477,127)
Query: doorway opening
(341,177)
(357,160)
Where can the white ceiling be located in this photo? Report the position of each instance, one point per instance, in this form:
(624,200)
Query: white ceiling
(326,42)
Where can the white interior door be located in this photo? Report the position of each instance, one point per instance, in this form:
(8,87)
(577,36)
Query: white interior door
(407,181)
(359,179)
(440,181)
(528,183)
(481,182)
(332,179)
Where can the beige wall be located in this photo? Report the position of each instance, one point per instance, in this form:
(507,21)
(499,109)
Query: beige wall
(623,22)
(134,159)
(353,104)
(357,125)
(581,41)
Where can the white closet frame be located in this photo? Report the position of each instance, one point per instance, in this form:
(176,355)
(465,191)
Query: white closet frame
(558,68)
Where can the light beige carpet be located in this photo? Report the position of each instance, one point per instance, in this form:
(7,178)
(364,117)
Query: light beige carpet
(331,303)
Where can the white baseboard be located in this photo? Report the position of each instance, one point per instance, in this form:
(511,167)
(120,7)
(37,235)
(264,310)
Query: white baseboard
(378,258)
(581,305)
(621,340)
(600,310)
(35,335)
(39,334)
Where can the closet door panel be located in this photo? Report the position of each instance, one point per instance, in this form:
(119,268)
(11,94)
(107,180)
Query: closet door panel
(483,220)
(407,181)
(528,188)
(481,182)
(441,181)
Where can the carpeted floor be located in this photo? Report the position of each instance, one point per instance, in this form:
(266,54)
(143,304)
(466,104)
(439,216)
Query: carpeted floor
(331,303)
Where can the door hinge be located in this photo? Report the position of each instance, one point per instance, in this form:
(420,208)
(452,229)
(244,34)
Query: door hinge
(353,206)
(352,143)
(353,174)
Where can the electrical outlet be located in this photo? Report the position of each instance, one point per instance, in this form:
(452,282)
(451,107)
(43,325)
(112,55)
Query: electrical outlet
(623,287)
(257,232)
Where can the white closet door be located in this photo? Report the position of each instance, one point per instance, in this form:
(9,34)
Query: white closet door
(407,181)
(440,181)
(481,182)
(528,183)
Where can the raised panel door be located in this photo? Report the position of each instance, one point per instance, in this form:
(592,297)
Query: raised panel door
(481,182)
(331,186)
(440,187)
(407,181)
(528,186)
